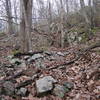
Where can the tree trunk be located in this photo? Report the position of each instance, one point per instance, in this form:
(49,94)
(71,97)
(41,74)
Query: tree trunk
(15,14)
(82,3)
(67,6)
(96,9)
(26,25)
(62,26)
(9,16)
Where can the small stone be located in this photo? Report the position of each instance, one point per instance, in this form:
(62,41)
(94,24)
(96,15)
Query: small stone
(8,88)
(36,56)
(60,54)
(68,85)
(45,84)
(52,58)
(34,76)
(22,65)
(59,91)
(2,98)
(26,57)
(15,61)
(48,53)
(10,57)
(22,92)
(40,64)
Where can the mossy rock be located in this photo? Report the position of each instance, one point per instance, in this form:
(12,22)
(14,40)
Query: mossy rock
(15,52)
(84,38)
(94,30)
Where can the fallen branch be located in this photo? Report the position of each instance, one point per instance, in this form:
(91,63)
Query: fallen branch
(95,45)
(78,55)
(27,54)
(27,82)
(15,76)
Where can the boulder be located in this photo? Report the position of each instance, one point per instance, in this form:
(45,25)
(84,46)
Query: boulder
(59,90)
(22,92)
(40,64)
(15,61)
(34,57)
(8,88)
(45,84)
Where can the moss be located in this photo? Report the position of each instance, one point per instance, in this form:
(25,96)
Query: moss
(2,33)
(43,48)
(84,37)
(14,52)
(94,30)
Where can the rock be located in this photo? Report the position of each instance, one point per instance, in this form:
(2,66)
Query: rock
(8,88)
(45,84)
(79,39)
(10,57)
(2,98)
(22,65)
(34,76)
(52,58)
(72,37)
(15,61)
(59,90)
(48,53)
(34,57)
(40,64)
(22,92)
(26,57)
(60,54)
(68,85)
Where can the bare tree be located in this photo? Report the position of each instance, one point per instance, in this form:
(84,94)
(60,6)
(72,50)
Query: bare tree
(82,3)
(9,16)
(26,24)
(62,24)
(49,15)
(96,9)
(67,6)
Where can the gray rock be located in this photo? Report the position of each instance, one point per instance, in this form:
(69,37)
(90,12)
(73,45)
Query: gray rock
(8,88)
(60,54)
(72,38)
(22,65)
(59,91)
(48,53)
(10,57)
(0,87)
(26,57)
(40,64)
(2,98)
(15,61)
(45,84)
(52,58)
(68,85)
(34,76)
(22,92)
(34,57)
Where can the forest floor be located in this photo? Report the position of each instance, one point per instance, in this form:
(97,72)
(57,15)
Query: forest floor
(84,73)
